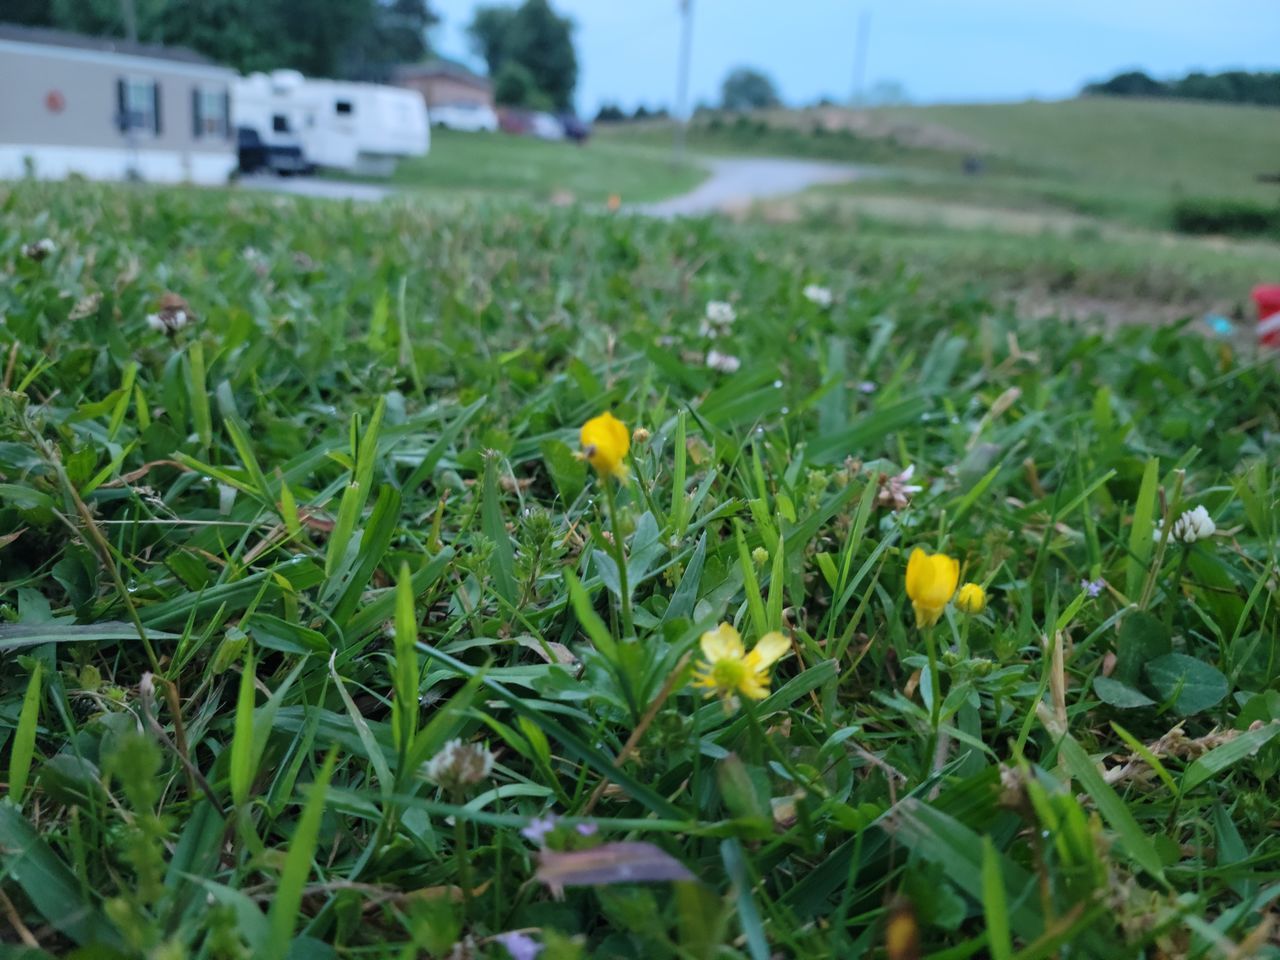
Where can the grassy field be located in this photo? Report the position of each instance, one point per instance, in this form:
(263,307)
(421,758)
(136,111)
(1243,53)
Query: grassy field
(1114,159)
(481,164)
(319,640)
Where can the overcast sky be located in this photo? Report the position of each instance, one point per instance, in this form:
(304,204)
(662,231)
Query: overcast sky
(939,50)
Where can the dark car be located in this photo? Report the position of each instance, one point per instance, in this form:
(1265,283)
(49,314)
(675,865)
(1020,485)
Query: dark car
(284,159)
(575,128)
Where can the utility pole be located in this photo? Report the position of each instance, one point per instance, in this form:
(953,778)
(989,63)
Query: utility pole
(860,57)
(682,81)
(130,20)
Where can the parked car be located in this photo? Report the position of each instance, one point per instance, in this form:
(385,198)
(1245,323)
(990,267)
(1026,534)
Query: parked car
(514,120)
(282,159)
(575,129)
(470,117)
(547,127)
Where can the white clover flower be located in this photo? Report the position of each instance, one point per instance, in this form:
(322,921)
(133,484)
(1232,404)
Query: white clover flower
(723,362)
(821,296)
(1191,526)
(460,765)
(40,249)
(156,322)
(720,313)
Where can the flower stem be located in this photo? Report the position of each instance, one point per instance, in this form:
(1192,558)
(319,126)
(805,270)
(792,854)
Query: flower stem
(464,869)
(619,556)
(935,681)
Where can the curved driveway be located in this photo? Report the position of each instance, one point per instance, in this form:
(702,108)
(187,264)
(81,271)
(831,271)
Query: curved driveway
(736,182)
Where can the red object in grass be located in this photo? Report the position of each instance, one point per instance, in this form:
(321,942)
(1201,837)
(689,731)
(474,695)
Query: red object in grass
(1267,298)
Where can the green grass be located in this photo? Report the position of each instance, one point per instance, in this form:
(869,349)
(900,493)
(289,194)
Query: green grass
(498,164)
(1116,159)
(254,577)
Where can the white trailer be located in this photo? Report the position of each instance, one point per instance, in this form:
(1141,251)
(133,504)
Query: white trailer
(363,128)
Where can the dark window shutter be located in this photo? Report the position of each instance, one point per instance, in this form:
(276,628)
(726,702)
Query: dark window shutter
(122,116)
(226,114)
(197,122)
(155,92)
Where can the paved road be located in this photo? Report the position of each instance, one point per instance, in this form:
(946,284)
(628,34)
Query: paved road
(737,182)
(734,183)
(315,187)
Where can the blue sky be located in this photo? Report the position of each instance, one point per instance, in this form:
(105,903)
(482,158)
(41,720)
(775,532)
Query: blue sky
(939,50)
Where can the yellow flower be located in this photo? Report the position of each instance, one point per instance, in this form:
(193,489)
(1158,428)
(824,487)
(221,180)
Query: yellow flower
(931,582)
(971,599)
(605,442)
(728,669)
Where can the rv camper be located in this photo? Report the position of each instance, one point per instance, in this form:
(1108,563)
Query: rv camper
(109,109)
(362,128)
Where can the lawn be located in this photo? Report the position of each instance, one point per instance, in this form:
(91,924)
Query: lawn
(497,164)
(320,641)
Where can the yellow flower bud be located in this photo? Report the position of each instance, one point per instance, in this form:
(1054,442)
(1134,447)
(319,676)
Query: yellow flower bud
(971,599)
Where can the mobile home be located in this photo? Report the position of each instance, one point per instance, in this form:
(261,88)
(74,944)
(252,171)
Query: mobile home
(109,109)
(362,128)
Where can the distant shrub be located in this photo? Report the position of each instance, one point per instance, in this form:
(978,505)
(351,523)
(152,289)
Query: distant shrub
(1225,216)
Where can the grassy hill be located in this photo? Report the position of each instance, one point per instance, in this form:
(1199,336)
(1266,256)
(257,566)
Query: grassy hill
(1115,158)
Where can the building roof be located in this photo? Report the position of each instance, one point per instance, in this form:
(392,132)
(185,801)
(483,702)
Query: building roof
(441,68)
(76,41)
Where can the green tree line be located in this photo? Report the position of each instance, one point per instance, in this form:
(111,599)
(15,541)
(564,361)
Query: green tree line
(1231,86)
(345,39)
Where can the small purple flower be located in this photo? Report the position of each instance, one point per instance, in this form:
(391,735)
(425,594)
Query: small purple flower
(587,829)
(1093,587)
(521,946)
(538,828)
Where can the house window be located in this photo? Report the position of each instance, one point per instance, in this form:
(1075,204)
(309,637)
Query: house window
(280,123)
(139,105)
(343,106)
(209,110)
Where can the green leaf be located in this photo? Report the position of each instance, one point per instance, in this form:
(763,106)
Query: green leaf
(502,564)
(405,674)
(735,864)
(595,627)
(1192,685)
(568,472)
(16,636)
(1223,756)
(283,916)
(241,770)
(1120,695)
(48,883)
(1114,810)
(1140,543)
(1141,639)
(24,737)
(994,906)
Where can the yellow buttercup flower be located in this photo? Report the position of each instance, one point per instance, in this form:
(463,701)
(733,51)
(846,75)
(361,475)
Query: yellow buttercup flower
(729,670)
(931,582)
(605,442)
(971,599)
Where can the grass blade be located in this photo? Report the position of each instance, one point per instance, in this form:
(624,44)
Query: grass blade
(283,916)
(24,738)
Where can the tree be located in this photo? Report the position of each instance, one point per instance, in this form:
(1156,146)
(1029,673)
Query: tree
(748,89)
(347,39)
(610,113)
(488,30)
(535,37)
(513,86)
